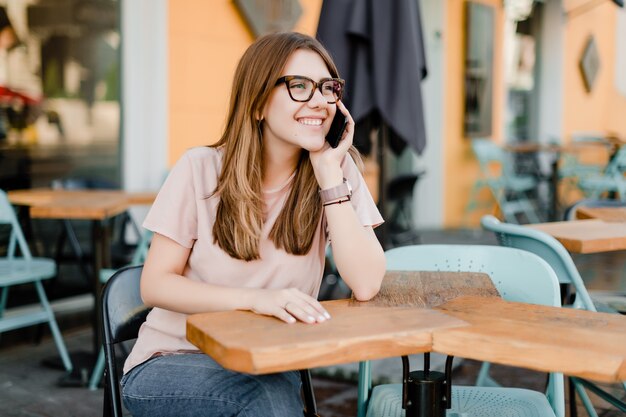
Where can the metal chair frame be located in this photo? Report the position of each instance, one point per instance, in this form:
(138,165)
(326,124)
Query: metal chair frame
(25,269)
(508,189)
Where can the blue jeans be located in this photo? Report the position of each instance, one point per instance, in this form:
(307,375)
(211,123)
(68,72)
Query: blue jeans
(191,385)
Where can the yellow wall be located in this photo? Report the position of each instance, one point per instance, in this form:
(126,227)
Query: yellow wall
(603,108)
(206,39)
(460,166)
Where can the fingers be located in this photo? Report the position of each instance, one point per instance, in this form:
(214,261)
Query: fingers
(313,307)
(303,312)
(303,308)
(346,113)
(284,315)
(348,132)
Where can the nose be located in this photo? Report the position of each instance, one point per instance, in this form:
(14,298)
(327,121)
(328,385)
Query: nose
(318,99)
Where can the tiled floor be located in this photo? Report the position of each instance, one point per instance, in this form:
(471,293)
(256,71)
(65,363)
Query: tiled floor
(29,389)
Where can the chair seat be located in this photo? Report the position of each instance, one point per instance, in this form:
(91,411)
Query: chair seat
(520,183)
(386,401)
(20,271)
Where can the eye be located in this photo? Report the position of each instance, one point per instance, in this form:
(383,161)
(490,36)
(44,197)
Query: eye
(297,85)
(329,87)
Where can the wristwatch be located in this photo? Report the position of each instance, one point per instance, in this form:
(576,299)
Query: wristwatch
(335,193)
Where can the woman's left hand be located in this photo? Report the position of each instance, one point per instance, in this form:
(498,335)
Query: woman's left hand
(327,161)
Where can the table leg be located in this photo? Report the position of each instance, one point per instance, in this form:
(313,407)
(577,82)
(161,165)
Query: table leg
(554,185)
(101,259)
(85,361)
(426,393)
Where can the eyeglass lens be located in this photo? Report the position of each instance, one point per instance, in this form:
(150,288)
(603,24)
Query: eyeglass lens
(302,89)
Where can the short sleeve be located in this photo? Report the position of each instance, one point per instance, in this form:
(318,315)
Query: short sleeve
(362,200)
(174,212)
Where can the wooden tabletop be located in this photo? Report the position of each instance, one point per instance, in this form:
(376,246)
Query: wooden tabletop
(606,214)
(247,342)
(388,325)
(586,236)
(575,342)
(47,203)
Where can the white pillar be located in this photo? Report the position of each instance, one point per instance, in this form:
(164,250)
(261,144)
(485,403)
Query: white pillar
(144,97)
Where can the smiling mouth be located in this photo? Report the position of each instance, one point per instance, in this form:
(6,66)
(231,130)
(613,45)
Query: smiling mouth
(311,122)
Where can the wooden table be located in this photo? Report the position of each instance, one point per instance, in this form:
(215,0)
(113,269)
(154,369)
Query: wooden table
(551,339)
(95,205)
(247,342)
(556,150)
(490,329)
(534,147)
(47,203)
(586,236)
(606,214)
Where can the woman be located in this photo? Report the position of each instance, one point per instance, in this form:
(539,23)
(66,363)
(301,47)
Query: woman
(243,225)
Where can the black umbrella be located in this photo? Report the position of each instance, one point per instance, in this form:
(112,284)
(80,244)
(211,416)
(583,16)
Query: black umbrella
(379,50)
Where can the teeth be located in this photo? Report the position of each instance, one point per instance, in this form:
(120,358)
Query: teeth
(310,122)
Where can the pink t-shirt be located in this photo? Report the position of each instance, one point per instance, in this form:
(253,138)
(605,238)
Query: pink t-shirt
(184,212)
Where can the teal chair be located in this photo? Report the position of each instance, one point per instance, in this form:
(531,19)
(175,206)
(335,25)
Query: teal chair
(571,170)
(519,276)
(509,189)
(610,180)
(570,212)
(25,269)
(551,250)
(105,274)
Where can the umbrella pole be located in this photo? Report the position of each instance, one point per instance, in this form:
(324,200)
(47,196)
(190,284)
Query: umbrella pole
(383,134)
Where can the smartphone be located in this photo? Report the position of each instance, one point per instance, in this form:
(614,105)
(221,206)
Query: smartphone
(336,129)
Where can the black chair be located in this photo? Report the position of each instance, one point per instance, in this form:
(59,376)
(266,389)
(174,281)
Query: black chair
(402,229)
(123,312)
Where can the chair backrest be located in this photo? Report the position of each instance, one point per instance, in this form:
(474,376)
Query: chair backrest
(545,246)
(123,312)
(617,164)
(487,153)
(16,237)
(570,212)
(518,275)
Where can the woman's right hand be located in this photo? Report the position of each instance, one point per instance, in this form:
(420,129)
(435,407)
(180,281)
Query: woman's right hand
(289,305)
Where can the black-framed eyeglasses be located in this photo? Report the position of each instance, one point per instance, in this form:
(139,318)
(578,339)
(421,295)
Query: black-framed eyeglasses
(301,88)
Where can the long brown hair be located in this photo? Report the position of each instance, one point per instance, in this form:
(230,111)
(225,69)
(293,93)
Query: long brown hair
(240,214)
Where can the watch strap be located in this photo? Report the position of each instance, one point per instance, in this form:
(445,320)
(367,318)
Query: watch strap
(334,193)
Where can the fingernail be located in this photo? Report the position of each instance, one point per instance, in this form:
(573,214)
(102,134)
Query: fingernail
(310,319)
(291,320)
(321,318)
(327,315)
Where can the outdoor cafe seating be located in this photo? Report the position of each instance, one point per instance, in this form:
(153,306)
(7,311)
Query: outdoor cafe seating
(518,276)
(510,191)
(549,249)
(18,267)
